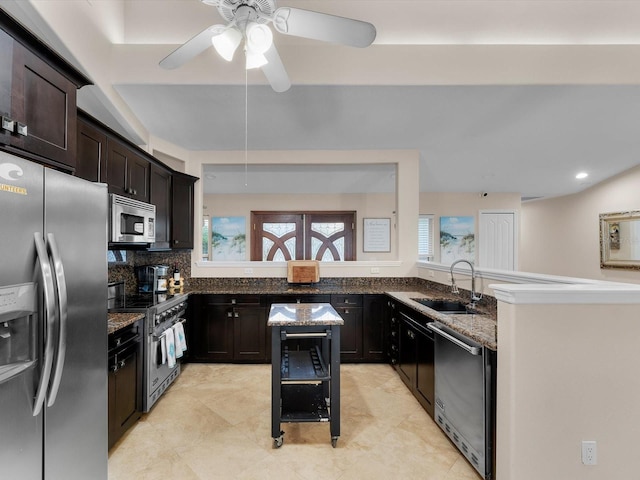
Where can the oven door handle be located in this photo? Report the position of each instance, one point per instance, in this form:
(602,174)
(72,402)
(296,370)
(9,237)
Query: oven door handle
(469,348)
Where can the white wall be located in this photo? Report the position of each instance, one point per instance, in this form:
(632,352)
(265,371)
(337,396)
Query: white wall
(404,233)
(365,206)
(561,236)
(567,372)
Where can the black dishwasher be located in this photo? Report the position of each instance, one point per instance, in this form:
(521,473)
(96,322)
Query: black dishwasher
(464,393)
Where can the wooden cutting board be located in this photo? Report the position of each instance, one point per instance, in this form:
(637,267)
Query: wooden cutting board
(303,271)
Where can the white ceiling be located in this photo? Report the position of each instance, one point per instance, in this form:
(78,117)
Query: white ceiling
(497,96)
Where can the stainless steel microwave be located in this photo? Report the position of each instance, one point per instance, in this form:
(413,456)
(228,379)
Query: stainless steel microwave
(131,221)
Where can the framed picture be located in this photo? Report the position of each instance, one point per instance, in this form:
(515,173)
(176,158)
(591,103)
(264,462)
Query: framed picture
(228,238)
(377,235)
(457,239)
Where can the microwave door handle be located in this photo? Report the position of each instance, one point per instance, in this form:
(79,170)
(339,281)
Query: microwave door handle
(49,318)
(62,318)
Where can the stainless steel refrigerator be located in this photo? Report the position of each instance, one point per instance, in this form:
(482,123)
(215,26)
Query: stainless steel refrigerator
(53,324)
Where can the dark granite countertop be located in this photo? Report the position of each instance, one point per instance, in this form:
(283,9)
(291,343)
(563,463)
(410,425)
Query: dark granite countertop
(303,314)
(481,327)
(116,321)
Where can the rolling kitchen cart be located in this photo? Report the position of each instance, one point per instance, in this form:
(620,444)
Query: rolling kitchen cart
(305,365)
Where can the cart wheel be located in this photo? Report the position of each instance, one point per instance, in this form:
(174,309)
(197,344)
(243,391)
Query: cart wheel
(334,441)
(277,442)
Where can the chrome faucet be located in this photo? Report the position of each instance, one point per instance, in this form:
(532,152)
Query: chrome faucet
(475,297)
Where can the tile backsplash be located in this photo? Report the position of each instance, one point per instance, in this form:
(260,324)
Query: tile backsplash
(126,271)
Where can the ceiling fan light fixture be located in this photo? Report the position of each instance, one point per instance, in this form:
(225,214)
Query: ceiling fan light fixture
(255,60)
(259,38)
(227,42)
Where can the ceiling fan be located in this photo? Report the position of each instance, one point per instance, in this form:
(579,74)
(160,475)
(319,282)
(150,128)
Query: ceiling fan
(248,19)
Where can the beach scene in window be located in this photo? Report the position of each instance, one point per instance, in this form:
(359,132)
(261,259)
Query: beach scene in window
(457,239)
(228,238)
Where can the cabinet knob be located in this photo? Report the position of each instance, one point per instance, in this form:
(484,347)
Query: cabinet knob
(236,315)
(8,124)
(21,129)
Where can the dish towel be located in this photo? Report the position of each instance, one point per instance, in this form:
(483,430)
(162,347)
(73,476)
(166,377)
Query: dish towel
(181,343)
(176,340)
(171,347)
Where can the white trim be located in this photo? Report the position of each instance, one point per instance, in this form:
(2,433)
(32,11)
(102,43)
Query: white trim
(602,293)
(508,276)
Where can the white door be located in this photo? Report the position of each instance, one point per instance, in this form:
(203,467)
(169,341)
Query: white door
(497,240)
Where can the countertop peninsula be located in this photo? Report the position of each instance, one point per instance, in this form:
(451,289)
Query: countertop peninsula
(481,327)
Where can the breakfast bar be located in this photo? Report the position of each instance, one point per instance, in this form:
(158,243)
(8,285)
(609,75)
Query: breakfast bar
(305,362)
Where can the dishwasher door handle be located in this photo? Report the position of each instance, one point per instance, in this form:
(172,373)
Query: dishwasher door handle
(469,348)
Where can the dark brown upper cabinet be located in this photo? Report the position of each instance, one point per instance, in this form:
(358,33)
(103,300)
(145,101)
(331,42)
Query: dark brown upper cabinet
(183,210)
(37,98)
(160,196)
(127,171)
(92,152)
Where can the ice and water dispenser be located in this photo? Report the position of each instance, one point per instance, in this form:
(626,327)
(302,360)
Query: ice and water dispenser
(18,329)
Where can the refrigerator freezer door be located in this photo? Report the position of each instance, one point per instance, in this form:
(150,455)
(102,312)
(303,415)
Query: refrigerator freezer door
(76,423)
(21,214)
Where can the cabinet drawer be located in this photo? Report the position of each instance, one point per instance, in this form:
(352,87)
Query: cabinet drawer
(301,298)
(231,300)
(346,300)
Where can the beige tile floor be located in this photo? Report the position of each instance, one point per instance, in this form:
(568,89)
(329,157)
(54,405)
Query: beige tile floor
(215,423)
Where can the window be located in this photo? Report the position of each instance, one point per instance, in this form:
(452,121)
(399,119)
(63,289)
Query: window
(425,237)
(116,257)
(282,236)
(206,238)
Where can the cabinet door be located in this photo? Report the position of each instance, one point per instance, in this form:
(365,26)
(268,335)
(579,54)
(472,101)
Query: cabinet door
(160,196)
(6,61)
(250,331)
(117,157)
(92,151)
(138,177)
(350,334)
(425,372)
(219,334)
(407,354)
(182,211)
(125,393)
(44,101)
(373,328)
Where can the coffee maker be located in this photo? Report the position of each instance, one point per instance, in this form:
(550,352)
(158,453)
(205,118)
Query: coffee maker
(153,278)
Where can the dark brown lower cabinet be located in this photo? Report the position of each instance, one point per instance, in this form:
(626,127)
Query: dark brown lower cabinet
(374,329)
(125,380)
(233,328)
(415,358)
(228,328)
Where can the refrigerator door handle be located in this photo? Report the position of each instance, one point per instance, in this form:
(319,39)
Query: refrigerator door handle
(49,314)
(61,289)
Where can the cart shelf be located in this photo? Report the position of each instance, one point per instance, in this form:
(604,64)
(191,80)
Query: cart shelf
(303,366)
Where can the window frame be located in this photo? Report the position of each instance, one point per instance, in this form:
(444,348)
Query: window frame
(303,220)
(426,245)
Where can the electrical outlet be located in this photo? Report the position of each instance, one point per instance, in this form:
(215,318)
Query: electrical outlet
(589,452)
(432,273)
(248,271)
(375,269)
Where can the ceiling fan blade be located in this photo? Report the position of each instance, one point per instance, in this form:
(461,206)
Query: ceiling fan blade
(324,27)
(275,72)
(191,48)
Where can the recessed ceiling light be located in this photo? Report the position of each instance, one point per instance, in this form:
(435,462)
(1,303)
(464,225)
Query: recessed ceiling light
(582,175)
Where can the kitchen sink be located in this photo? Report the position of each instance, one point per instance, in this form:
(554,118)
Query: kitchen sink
(443,306)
